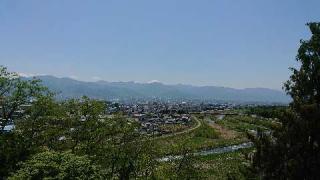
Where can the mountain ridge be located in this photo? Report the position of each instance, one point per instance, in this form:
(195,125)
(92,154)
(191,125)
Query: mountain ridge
(71,88)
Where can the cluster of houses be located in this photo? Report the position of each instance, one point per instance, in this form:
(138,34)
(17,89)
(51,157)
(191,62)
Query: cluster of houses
(150,124)
(167,107)
(153,115)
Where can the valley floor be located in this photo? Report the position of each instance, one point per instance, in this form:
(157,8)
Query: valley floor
(212,133)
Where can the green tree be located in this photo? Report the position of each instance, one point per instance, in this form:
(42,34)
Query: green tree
(125,152)
(293,152)
(15,92)
(86,124)
(53,165)
(15,95)
(44,124)
(114,143)
(12,151)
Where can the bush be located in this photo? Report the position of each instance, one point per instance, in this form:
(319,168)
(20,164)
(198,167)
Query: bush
(53,165)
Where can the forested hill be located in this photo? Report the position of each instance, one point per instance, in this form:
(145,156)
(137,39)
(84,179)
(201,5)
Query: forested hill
(69,88)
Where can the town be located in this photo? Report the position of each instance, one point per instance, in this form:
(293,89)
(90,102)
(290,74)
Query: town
(158,118)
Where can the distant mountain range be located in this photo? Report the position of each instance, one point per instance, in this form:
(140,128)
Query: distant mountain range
(70,88)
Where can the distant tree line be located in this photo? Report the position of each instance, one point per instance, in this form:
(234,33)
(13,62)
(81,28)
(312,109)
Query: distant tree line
(267,111)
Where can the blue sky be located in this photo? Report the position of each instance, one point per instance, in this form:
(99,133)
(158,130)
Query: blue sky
(233,43)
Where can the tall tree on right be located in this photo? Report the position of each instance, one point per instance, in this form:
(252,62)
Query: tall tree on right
(293,150)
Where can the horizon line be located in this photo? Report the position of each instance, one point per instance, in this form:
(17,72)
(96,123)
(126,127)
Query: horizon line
(137,82)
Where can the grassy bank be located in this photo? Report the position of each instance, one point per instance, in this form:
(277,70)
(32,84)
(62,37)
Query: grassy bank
(203,137)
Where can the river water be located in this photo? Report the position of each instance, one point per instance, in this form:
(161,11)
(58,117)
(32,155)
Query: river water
(219,150)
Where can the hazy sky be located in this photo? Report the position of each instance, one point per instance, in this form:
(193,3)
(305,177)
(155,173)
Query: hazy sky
(233,43)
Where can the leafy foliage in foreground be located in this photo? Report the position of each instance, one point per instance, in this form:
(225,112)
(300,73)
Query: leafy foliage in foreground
(53,165)
(72,139)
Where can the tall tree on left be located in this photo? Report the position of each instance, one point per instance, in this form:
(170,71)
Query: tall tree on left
(15,92)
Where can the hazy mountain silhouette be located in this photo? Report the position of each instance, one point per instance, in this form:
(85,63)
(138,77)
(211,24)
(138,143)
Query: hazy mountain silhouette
(69,88)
